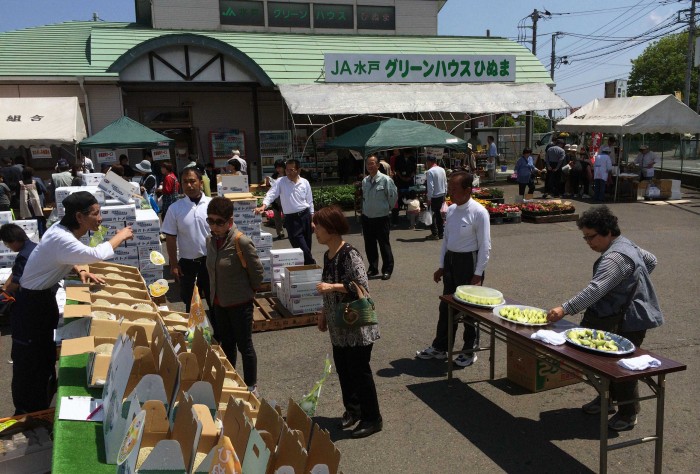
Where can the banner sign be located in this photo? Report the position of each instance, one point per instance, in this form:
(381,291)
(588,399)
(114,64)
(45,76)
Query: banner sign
(160,154)
(40,152)
(346,67)
(106,156)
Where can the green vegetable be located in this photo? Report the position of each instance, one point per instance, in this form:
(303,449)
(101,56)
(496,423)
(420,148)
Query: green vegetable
(309,402)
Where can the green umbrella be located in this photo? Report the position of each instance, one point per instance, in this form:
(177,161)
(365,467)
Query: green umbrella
(395,133)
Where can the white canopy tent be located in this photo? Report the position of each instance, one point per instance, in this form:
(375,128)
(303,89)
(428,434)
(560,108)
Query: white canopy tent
(629,115)
(356,99)
(40,121)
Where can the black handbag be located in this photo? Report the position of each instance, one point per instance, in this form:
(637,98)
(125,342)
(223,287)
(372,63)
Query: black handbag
(357,313)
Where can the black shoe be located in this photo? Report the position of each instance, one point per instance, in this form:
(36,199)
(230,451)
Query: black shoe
(280,236)
(372,272)
(367,428)
(386,276)
(348,420)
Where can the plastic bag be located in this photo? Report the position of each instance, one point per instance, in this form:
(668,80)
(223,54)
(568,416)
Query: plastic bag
(652,192)
(443,209)
(309,402)
(426,217)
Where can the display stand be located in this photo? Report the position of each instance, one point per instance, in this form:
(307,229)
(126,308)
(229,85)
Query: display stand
(274,145)
(221,144)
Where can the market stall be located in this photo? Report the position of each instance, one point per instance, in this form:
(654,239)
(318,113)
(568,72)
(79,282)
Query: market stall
(632,115)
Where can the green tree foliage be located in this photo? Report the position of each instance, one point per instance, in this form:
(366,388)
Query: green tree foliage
(505,120)
(660,69)
(541,124)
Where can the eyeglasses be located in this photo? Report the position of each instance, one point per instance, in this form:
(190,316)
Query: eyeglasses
(588,238)
(216,222)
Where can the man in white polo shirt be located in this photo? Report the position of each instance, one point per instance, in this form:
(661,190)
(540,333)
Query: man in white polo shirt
(297,206)
(186,230)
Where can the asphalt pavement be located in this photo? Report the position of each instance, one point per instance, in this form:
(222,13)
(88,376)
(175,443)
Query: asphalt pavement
(479,425)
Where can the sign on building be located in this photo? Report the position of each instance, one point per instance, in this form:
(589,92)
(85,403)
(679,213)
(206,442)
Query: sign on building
(346,67)
(41,152)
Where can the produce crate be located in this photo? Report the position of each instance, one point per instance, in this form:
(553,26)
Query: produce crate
(270,315)
(549,219)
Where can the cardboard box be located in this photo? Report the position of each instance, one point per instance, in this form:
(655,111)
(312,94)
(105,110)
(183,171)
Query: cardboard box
(303,273)
(7,259)
(304,305)
(302,289)
(28,225)
(287,257)
(232,184)
(5,217)
(122,212)
(149,238)
(243,202)
(147,221)
(536,374)
(92,179)
(65,191)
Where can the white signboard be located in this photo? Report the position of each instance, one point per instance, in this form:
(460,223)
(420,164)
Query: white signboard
(160,154)
(106,156)
(345,67)
(40,152)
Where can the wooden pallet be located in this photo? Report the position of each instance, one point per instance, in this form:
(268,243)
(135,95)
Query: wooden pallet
(550,219)
(506,220)
(270,315)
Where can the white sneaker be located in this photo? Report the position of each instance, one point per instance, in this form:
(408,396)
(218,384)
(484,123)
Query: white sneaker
(465,360)
(431,353)
(254,391)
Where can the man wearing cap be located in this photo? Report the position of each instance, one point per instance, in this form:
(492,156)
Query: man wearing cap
(186,231)
(436,188)
(554,160)
(237,156)
(645,161)
(297,206)
(35,314)
(379,196)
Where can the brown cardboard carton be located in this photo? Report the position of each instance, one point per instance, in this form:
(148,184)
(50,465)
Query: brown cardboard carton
(237,426)
(299,421)
(322,451)
(536,374)
(289,453)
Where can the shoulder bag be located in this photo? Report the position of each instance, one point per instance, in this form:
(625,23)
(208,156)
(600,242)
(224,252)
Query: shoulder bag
(357,313)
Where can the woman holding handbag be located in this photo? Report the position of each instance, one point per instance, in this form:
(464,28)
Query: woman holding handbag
(344,275)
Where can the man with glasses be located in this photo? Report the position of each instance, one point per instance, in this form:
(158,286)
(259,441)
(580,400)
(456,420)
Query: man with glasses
(297,206)
(620,299)
(186,231)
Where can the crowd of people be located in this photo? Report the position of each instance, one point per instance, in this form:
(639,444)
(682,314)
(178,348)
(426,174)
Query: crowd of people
(207,253)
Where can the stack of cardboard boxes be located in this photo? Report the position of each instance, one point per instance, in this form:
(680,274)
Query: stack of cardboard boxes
(249,223)
(295,283)
(31,228)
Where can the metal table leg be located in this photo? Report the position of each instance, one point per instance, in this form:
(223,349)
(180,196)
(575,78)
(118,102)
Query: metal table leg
(604,391)
(659,443)
(450,342)
(492,354)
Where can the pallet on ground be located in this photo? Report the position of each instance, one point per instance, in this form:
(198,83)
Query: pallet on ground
(270,315)
(506,220)
(550,219)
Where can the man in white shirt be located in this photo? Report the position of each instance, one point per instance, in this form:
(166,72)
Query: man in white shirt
(88,166)
(237,156)
(601,168)
(463,259)
(645,161)
(35,314)
(186,230)
(491,157)
(436,187)
(297,206)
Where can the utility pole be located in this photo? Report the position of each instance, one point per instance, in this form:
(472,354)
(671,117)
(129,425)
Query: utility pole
(528,115)
(689,62)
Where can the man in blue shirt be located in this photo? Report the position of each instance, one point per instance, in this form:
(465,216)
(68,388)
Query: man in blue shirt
(436,188)
(15,239)
(379,196)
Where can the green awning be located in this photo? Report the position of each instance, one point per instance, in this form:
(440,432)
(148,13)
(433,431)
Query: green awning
(126,133)
(394,133)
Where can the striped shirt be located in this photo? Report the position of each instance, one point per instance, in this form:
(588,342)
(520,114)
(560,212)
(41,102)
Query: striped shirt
(612,270)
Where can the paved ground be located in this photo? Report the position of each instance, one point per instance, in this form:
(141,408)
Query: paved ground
(491,426)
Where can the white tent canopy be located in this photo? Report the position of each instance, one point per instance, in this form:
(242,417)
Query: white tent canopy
(351,99)
(638,114)
(27,121)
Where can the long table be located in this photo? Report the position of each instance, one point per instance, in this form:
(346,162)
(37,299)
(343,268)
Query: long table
(599,370)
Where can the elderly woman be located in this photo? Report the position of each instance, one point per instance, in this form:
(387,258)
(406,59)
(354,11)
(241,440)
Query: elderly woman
(620,299)
(235,272)
(352,348)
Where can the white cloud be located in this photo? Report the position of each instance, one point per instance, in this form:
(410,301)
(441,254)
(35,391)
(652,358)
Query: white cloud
(655,18)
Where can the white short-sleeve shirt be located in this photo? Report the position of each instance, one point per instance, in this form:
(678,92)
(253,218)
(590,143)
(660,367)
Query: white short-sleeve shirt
(188,222)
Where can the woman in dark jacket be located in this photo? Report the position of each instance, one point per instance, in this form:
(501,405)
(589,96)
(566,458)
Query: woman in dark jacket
(235,272)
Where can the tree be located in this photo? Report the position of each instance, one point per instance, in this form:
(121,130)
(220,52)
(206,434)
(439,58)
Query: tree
(505,120)
(660,69)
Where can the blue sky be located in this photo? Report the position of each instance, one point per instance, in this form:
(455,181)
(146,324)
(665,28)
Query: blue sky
(591,29)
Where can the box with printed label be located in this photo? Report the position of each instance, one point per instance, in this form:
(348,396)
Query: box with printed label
(242,204)
(5,217)
(144,251)
(92,179)
(254,223)
(303,273)
(301,290)
(122,212)
(246,214)
(4,249)
(264,253)
(147,239)
(152,276)
(287,257)
(233,184)
(304,305)
(537,373)
(123,251)
(277,273)
(65,191)
(28,225)
(147,266)
(146,221)
(265,240)
(7,259)
(249,229)
(125,260)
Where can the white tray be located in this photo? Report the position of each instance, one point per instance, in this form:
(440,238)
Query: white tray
(520,307)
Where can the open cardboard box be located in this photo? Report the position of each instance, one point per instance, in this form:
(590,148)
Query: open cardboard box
(101,328)
(106,267)
(84,293)
(128,314)
(130,302)
(165,313)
